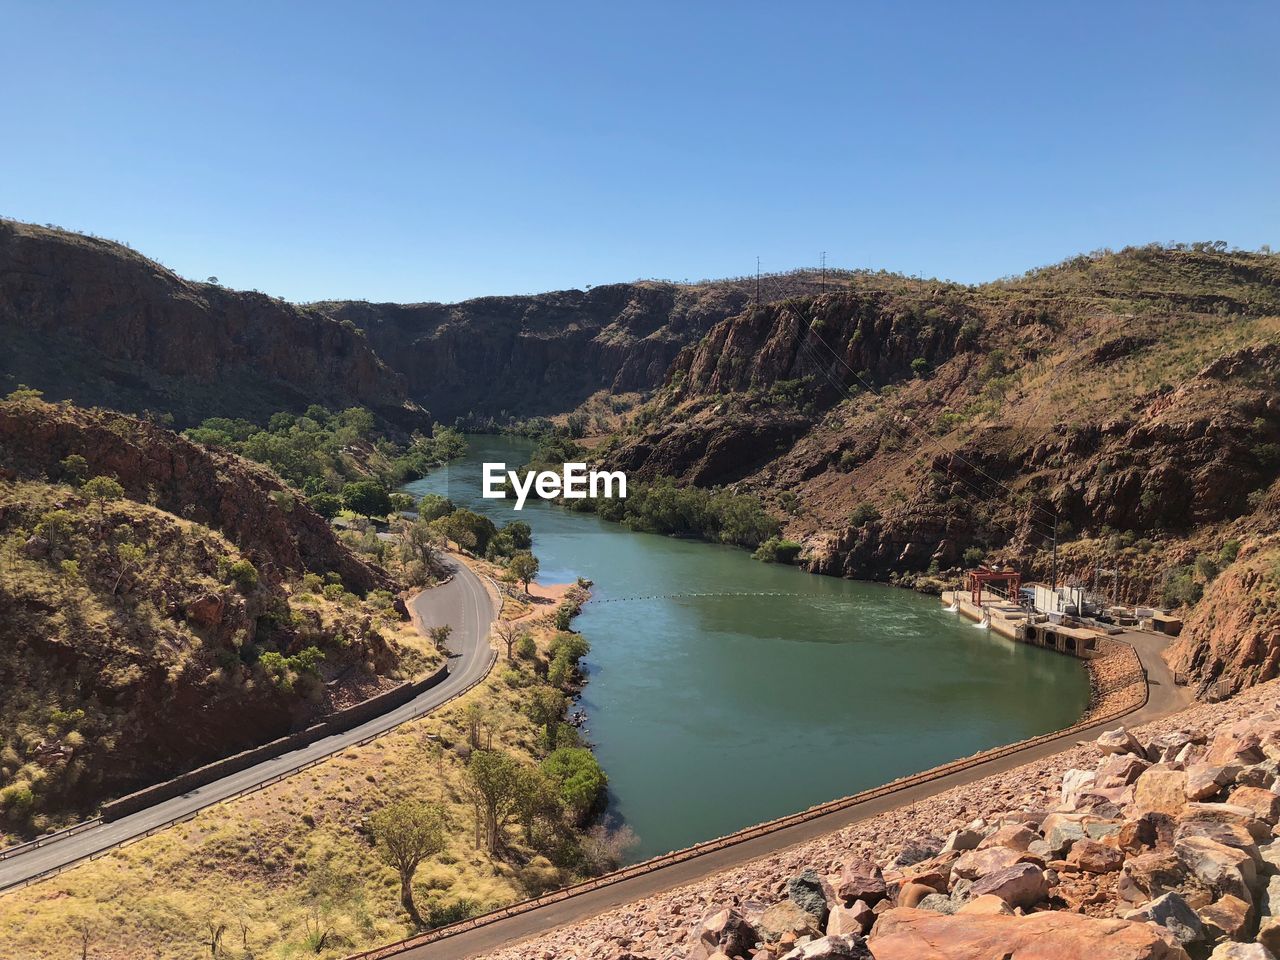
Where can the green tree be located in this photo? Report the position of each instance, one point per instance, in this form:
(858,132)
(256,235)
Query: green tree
(325,504)
(545,708)
(75,468)
(420,543)
(129,557)
(440,635)
(432,506)
(524,567)
(401,502)
(408,832)
(55,527)
(100,490)
(492,784)
(579,779)
(367,497)
(537,800)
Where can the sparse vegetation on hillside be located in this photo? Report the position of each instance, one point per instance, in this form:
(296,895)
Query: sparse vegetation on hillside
(117,619)
(324,453)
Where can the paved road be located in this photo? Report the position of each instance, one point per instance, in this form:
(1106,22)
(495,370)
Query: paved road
(463,603)
(1163,698)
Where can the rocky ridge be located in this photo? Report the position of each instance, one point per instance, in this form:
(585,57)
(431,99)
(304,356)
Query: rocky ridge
(95,322)
(1153,844)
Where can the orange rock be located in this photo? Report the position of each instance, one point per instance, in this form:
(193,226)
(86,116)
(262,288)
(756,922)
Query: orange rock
(924,935)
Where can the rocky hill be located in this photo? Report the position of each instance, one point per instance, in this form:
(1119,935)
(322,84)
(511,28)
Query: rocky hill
(546,353)
(899,423)
(174,619)
(95,322)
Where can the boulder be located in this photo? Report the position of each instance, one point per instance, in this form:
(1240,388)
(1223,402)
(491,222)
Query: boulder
(912,893)
(1205,780)
(811,894)
(1120,770)
(1241,749)
(1094,857)
(722,931)
(961,840)
(1165,747)
(1160,789)
(987,904)
(831,948)
(1060,830)
(1269,899)
(1075,782)
(1150,875)
(979,863)
(206,611)
(1012,836)
(939,903)
(1227,917)
(1223,869)
(1227,834)
(843,921)
(1269,933)
(1119,741)
(787,917)
(1240,951)
(923,935)
(1022,885)
(1173,913)
(861,880)
(1228,813)
(1263,804)
(1262,775)
(915,850)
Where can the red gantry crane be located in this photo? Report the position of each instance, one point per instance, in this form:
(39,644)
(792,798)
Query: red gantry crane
(989,576)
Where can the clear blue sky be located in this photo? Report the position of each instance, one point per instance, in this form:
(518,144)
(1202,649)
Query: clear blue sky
(427,151)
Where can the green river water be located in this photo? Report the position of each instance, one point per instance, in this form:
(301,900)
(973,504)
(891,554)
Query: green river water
(713,713)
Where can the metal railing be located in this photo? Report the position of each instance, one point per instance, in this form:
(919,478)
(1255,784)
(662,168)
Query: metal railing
(761,830)
(19,848)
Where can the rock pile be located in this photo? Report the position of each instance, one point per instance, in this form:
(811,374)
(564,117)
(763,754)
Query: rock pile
(1156,847)
(1159,851)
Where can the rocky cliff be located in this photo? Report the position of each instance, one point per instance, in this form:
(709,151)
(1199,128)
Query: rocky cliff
(546,353)
(95,322)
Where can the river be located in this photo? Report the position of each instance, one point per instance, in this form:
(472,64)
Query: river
(713,713)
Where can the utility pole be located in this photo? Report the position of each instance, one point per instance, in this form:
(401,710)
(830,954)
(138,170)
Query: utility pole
(1055,549)
(824,271)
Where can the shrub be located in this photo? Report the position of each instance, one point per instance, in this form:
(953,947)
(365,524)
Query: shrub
(1230,550)
(775,550)
(243,574)
(863,514)
(325,504)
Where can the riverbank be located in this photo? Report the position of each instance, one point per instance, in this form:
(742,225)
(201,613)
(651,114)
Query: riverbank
(906,845)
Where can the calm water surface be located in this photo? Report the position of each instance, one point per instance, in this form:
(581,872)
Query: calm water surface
(710,714)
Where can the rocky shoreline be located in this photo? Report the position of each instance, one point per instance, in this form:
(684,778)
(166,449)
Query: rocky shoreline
(1158,843)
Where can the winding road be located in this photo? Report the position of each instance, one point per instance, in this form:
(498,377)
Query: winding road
(1163,698)
(463,603)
